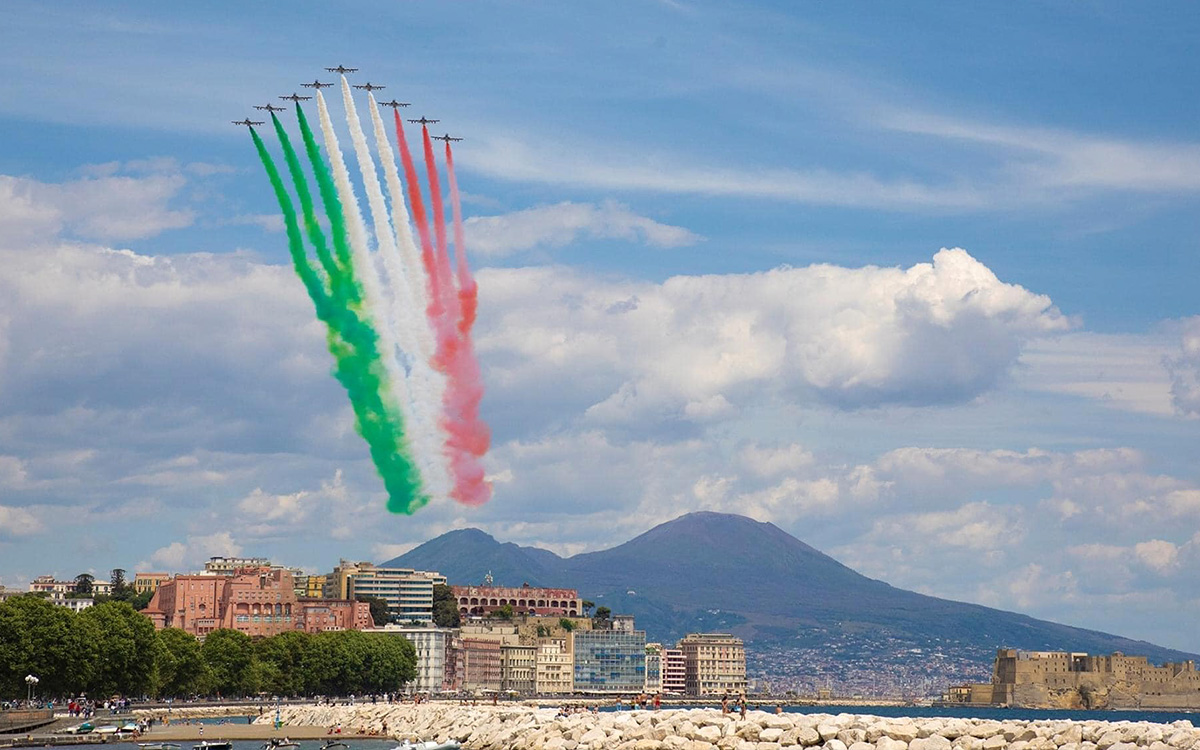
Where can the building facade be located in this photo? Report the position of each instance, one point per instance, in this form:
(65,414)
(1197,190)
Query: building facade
(554,668)
(227,566)
(432,645)
(654,668)
(610,661)
(674,681)
(714,663)
(408,592)
(143,582)
(479,664)
(50,585)
(257,602)
(518,668)
(525,599)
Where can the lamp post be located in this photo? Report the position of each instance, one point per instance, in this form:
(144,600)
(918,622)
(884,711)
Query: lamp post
(30,681)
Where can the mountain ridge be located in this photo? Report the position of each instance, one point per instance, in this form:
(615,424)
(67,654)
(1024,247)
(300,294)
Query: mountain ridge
(707,570)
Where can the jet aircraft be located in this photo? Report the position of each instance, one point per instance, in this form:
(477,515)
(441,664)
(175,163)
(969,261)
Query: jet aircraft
(270,107)
(247,122)
(316,85)
(368,86)
(341,69)
(393,104)
(445,138)
(296,98)
(425,121)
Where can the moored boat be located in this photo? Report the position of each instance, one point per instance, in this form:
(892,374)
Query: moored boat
(217,745)
(158,746)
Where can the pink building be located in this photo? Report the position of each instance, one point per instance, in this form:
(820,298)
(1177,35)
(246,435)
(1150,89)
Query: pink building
(259,602)
(482,600)
(479,664)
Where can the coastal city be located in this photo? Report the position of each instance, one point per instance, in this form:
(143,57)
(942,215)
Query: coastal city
(474,639)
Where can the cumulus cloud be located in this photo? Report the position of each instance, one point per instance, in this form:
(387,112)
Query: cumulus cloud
(1184,367)
(563,223)
(103,206)
(940,332)
(192,553)
(18,522)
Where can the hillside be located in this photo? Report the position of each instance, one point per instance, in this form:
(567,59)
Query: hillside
(719,571)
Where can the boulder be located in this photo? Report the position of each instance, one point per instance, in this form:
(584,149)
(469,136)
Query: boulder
(905,733)
(932,742)
(770,734)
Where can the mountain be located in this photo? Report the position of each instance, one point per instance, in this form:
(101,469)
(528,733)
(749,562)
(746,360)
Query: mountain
(707,571)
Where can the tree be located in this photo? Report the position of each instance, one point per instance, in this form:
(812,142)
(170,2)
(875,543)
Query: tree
(445,608)
(121,591)
(390,662)
(39,638)
(140,601)
(504,612)
(125,641)
(566,624)
(601,620)
(228,655)
(83,583)
(587,607)
(380,614)
(179,664)
(280,663)
(543,631)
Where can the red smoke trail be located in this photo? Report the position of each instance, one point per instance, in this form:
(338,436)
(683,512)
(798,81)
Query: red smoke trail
(439,227)
(468,433)
(435,310)
(468,291)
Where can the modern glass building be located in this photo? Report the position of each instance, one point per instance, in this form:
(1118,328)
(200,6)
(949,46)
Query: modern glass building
(610,661)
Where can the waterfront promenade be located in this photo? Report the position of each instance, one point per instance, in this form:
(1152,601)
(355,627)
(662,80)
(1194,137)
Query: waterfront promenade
(526,727)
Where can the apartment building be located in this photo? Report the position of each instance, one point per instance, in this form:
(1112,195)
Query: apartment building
(715,664)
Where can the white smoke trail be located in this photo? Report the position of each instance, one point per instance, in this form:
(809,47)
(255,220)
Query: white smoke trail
(428,384)
(422,407)
(364,264)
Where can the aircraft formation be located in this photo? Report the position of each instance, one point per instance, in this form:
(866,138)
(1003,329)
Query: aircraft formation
(318,85)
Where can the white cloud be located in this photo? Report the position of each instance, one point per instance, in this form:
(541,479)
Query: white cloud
(939,332)
(192,553)
(769,461)
(18,522)
(1184,367)
(1122,371)
(1063,159)
(105,207)
(509,158)
(563,223)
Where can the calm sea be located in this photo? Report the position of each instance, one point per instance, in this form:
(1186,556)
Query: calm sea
(962,712)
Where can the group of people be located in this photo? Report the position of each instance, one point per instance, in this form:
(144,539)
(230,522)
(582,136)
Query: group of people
(739,704)
(568,709)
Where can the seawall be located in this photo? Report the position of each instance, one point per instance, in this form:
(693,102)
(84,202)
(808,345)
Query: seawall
(519,727)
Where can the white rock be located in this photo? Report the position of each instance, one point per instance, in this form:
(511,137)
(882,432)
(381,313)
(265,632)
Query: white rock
(932,742)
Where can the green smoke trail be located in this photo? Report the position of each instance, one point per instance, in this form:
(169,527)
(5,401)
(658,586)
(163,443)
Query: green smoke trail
(315,235)
(354,346)
(333,206)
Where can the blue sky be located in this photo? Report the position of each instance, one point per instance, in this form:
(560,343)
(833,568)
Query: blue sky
(708,240)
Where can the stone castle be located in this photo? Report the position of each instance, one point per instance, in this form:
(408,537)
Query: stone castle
(1061,679)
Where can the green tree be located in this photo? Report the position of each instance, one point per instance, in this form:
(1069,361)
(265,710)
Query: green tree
(228,654)
(602,619)
(125,641)
(280,663)
(140,601)
(39,638)
(179,664)
(445,607)
(380,614)
(587,607)
(566,624)
(390,662)
(83,583)
(505,612)
(120,591)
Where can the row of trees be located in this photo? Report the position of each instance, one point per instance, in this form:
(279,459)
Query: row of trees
(111,649)
(121,590)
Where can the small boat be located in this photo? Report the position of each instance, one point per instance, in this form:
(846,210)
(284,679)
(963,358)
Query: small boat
(106,729)
(331,744)
(276,743)
(158,746)
(218,745)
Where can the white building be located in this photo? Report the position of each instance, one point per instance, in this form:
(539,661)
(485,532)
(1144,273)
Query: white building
(654,668)
(431,644)
(555,668)
(408,592)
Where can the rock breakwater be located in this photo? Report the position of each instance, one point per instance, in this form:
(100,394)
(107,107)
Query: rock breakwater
(519,727)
